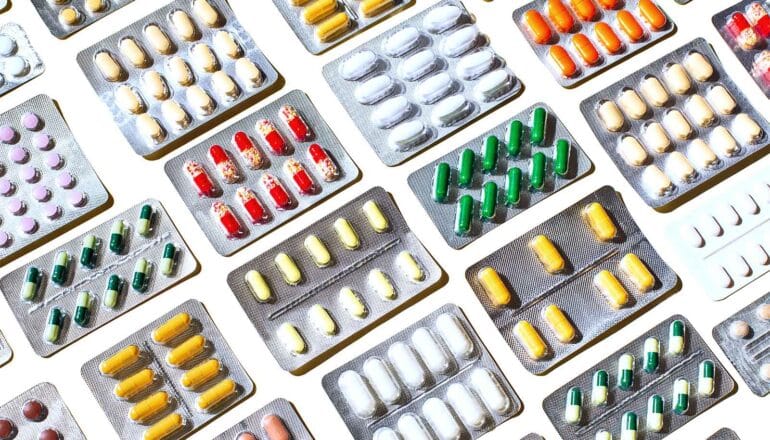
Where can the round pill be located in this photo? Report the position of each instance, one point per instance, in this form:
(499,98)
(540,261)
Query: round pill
(701,155)
(225,42)
(158,39)
(408,134)
(654,92)
(401,42)
(16,206)
(95,5)
(358,65)
(655,137)
(375,89)
(76,198)
(34,410)
(632,104)
(248,72)
(632,151)
(460,41)
(700,111)
(442,18)
(42,141)
(679,167)
(451,110)
(723,143)
(418,65)
(111,70)
(746,129)
(18,154)
(5,239)
(41,193)
(493,85)
(53,161)
(677,79)
(764,372)
(31,121)
(7,45)
(739,329)
(29,174)
(763,312)
(611,116)
(7,134)
(7,429)
(133,52)
(6,187)
(70,16)
(721,99)
(476,64)
(183,25)
(655,181)
(51,210)
(677,124)
(49,434)
(698,66)
(65,180)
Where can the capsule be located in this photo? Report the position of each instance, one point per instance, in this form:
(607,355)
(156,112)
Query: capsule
(225,166)
(381,284)
(215,395)
(31,284)
(625,372)
(250,203)
(186,351)
(323,162)
(322,320)
(494,287)
(357,395)
(537,171)
(561,157)
(529,337)
(144,223)
(88,252)
(53,325)
(514,137)
(134,384)
(513,187)
(248,150)
(465,169)
(167,261)
(681,399)
(375,217)
(226,219)
(611,116)
(652,15)
(629,25)
(297,173)
(119,361)
(258,286)
(164,427)
(573,411)
(347,235)
(637,272)
(199,178)
(586,49)
(489,201)
(742,31)
(431,353)
(559,15)
(489,154)
(291,338)
(654,92)
(537,26)
(600,388)
(60,270)
(352,303)
(288,268)
(82,313)
(655,413)
(317,250)
(332,27)
(603,434)
(172,328)
(140,279)
(651,355)
(559,323)
(441,182)
(706,371)
(466,405)
(677,79)
(271,136)
(149,407)
(608,38)
(562,61)
(606,282)
(276,191)
(547,253)
(294,122)
(676,340)
(464,215)
(407,366)
(599,221)
(410,267)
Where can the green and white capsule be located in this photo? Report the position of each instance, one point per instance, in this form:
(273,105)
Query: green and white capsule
(441,182)
(464,215)
(513,187)
(117,237)
(88,253)
(681,400)
(706,373)
(82,313)
(561,157)
(603,435)
(31,284)
(167,262)
(489,201)
(628,426)
(111,294)
(489,155)
(537,133)
(655,413)
(53,325)
(600,388)
(651,355)
(676,337)
(465,168)
(514,137)
(144,224)
(60,268)
(537,171)
(140,278)
(625,372)
(573,410)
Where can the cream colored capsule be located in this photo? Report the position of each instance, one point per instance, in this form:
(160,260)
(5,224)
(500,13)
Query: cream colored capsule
(183,25)
(632,152)
(206,12)
(655,137)
(609,286)
(352,303)
(132,51)
(149,407)
(611,116)
(410,267)
(677,124)
(318,251)
(180,71)
(347,235)
(150,128)
(225,43)
(679,167)
(721,99)
(318,11)
(186,351)
(258,286)
(200,374)
(700,154)
(224,85)
(155,85)
(529,337)
(110,68)
(288,268)
(129,100)
(700,111)
(547,253)
(158,39)
(494,287)
(381,284)
(655,181)
(333,27)
(637,272)
(599,221)
(723,143)
(204,57)
(291,339)
(173,327)
(164,427)
(134,384)
(746,129)
(677,79)
(654,92)
(559,323)
(698,66)
(377,219)
(174,114)
(248,72)
(120,360)
(215,395)
(200,100)
(95,5)
(632,104)
(322,320)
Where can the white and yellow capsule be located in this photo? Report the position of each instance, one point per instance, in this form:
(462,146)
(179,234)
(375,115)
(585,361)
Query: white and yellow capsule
(381,285)
(410,267)
(655,413)
(573,412)
(291,339)
(676,340)
(706,374)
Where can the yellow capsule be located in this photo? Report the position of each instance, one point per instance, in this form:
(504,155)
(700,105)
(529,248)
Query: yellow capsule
(317,250)
(600,222)
(611,288)
(258,286)
(172,328)
(493,285)
(530,339)
(381,284)
(347,234)
(288,268)
(546,252)
(352,303)
(120,360)
(319,10)
(559,323)
(216,394)
(333,27)
(411,268)
(186,351)
(637,272)
(149,407)
(164,427)
(322,321)
(370,8)
(298,2)
(291,339)
(377,219)
(134,384)
(200,374)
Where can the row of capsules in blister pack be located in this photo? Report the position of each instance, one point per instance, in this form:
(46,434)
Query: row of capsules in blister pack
(38,414)
(748,31)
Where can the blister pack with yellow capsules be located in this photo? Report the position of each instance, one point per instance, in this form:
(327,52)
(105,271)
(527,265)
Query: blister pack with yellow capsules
(169,378)
(724,434)
(6,353)
(38,413)
(651,387)
(87,282)
(311,294)
(167,76)
(65,17)
(278,420)
(19,61)
(498,175)
(554,290)
(434,379)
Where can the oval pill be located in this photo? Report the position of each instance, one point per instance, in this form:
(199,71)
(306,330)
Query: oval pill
(418,65)
(248,72)
(407,366)
(352,303)
(357,394)
(391,112)
(128,99)
(700,111)
(402,41)
(451,110)
(599,221)
(381,284)
(475,64)
(206,12)
(321,320)
(486,386)
(652,15)
(347,235)
(677,124)
(134,384)
(186,351)
(608,38)
(155,85)
(183,25)
(333,27)
(746,129)
(376,218)
(317,250)
(547,253)
(172,328)
(164,428)
(629,25)
(559,15)
(460,41)
(562,61)
(380,378)
(455,336)
(434,88)
(655,137)
(408,134)
(201,374)
(358,65)
(466,406)
(158,39)
(723,142)
(109,67)
(288,268)
(529,337)
(411,427)
(609,286)
(677,79)
(119,361)
(225,42)
(585,47)
(318,11)
(215,395)
(679,167)
(610,115)
(559,323)
(431,353)
(721,99)
(441,419)
(654,92)
(637,272)
(632,104)
(375,89)
(442,18)
(410,267)
(133,52)
(537,26)
(494,287)
(291,338)
(698,66)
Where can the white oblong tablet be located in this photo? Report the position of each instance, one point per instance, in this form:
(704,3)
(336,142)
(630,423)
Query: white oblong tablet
(180,71)
(746,204)
(676,79)
(700,154)
(248,72)
(611,116)
(442,18)
(357,394)
(390,112)
(433,88)
(653,91)
(408,134)
(129,100)
(698,66)
(746,129)
(418,65)
(224,85)
(431,353)
(382,380)
(386,434)
(655,137)
(679,167)
(450,110)
(358,65)
(756,254)
(466,406)
(407,366)
(411,428)
(692,236)
(632,152)
(200,100)
(727,215)
(655,181)
(460,41)
(155,85)
(475,64)
(174,114)
(454,336)
(677,124)
(632,104)
(441,419)
(723,143)
(375,89)
(721,99)
(401,42)
(493,85)
(700,111)
(486,386)
(133,52)
(225,42)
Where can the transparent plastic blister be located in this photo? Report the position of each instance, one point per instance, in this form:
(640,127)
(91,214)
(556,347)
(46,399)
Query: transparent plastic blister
(278,420)
(64,18)
(19,62)
(39,413)
(238,180)
(724,434)
(677,385)
(422,81)
(670,140)
(434,379)
(334,280)
(6,353)
(596,270)
(447,178)
(87,282)
(168,379)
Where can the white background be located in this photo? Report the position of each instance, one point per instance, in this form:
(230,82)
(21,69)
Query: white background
(130,179)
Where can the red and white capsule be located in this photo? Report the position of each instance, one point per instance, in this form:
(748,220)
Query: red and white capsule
(251,205)
(225,166)
(227,220)
(276,191)
(294,170)
(323,163)
(200,178)
(294,122)
(271,136)
(249,152)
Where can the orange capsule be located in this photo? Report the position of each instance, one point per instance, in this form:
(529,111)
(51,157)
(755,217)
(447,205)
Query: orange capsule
(563,61)
(608,4)
(584,9)
(652,14)
(560,16)
(608,38)
(586,49)
(629,25)
(537,26)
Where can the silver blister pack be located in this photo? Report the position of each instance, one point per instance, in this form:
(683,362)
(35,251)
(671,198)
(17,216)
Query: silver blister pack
(703,128)
(168,404)
(724,434)
(65,18)
(533,437)
(77,280)
(519,293)
(725,238)
(276,420)
(168,75)
(323,24)
(420,82)
(46,182)
(239,180)
(509,155)
(19,62)
(6,353)
(653,421)
(305,305)
(434,379)
(49,417)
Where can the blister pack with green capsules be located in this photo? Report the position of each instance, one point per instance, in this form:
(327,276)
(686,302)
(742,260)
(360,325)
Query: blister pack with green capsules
(498,175)
(87,282)
(724,434)
(64,18)
(432,380)
(6,353)
(38,413)
(334,280)
(554,290)
(278,420)
(168,379)
(651,387)
(19,61)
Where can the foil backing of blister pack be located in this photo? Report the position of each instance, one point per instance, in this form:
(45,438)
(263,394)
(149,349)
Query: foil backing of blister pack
(460,371)
(126,121)
(6,353)
(22,49)
(281,408)
(573,290)
(387,65)
(250,178)
(564,39)
(57,417)
(33,316)
(443,214)
(682,189)
(671,367)
(724,434)
(50,138)
(56,14)
(348,268)
(167,378)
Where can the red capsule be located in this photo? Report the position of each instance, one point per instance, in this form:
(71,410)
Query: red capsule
(227,220)
(739,27)
(249,152)
(323,163)
(225,166)
(251,205)
(276,191)
(758,15)
(200,178)
(299,175)
(271,136)
(294,123)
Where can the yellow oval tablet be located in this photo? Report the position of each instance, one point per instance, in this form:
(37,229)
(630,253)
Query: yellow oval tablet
(529,337)
(381,284)
(258,286)
(289,270)
(600,222)
(547,253)
(291,339)
(318,251)
(637,272)
(164,427)
(611,288)
(377,219)
(493,285)
(346,234)
(410,267)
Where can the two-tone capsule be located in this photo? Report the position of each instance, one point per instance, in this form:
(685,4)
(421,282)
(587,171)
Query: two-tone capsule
(464,215)
(537,171)
(82,315)
(600,388)
(573,410)
(441,182)
(88,252)
(144,223)
(53,325)
(537,126)
(655,413)
(489,154)
(628,426)
(489,201)
(561,156)
(465,168)
(60,270)
(111,294)
(706,372)
(140,279)
(31,284)
(513,186)
(651,355)
(514,138)
(681,399)
(625,372)
(676,341)
(117,237)
(167,262)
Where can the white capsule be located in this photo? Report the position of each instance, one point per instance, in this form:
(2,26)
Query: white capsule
(655,137)
(723,143)
(248,72)
(386,434)
(155,85)
(225,42)
(746,129)
(460,41)
(679,167)
(493,85)
(441,419)
(174,114)
(632,104)
(692,236)
(357,394)
(709,225)
(204,58)
(200,100)
(358,65)
(382,380)
(180,71)
(407,366)
(677,79)
(611,116)
(418,65)
(488,388)
(433,88)
(632,151)
(721,277)
(128,99)
(727,215)
(677,124)
(701,155)
(756,254)
(466,406)
(401,42)
(451,110)
(746,204)
(698,66)
(408,134)
(474,65)
(411,428)
(391,112)
(375,89)
(700,111)
(430,352)
(655,181)
(721,99)
(654,92)
(442,18)
(225,86)
(454,336)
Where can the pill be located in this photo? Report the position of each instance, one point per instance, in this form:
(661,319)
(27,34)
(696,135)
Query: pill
(226,219)
(317,250)
(599,388)
(140,279)
(559,15)
(677,124)
(321,320)
(706,372)
(296,172)
(638,272)
(134,384)
(537,27)
(164,428)
(352,303)
(407,366)
(288,268)
(117,237)
(465,168)
(529,337)
(291,339)
(431,353)
(410,267)
(274,428)
(254,209)
(155,85)
(248,72)
(573,409)
(723,142)
(199,99)
(200,178)
(180,71)
(358,65)
(651,355)
(676,335)
(559,323)
(632,104)
(486,386)
(294,122)
(513,187)
(721,99)
(376,89)
(82,315)
(681,397)
(625,372)
(764,372)
(442,18)
(599,221)
(608,38)
(408,134)
(763,312)
(537,171)
(200,374)
(274,188)
(70,16)
(271,136)
(700,111)
(679,167)
(494,287)
(741,29)
(347,235)
(609,286)
(144,222)
(119,361)
(158,39)
(215,395)
(375,217)
(380,378)
(60,271)
(585,47)
(411,427)
(131,50)
(333,27)
(655,413)
(460,41)
(184,25)
(441,419)
(186,351)
(31,284)
(357,394)
(167,259)
(584,9)
(475,64)
(739,329)
(488,201)
(654,135)
(611,116)
(451,110)
(653,91)
(128,99)
(676,79)
(401,42)
(323,162)
(454,336)
(204,58)
(109,66)
(603,434)
(150,407)
(205,12)
(746,129)
(440,188)
(562,61)
(53,325)
(628,426)
(652,15)
(629,25)
(466,406)
(224,42)
(418,65)
(698,66)
(391,112)
(489,154)
(547,253)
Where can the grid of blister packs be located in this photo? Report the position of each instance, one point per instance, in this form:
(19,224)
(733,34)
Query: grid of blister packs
(278,420)
(38,413)
(65,17)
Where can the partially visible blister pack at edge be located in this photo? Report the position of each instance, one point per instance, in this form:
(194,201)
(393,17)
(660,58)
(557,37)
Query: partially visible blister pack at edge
(724,434)
(6,353)
(56,421)
(68,17)
(20,50)
(278,420)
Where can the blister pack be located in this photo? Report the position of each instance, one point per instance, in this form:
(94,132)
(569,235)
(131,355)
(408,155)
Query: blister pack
(322,24)
(579,39)
(533,437)
(271,166)
(725,239)
(434,379)
(5,351)
(64,18)
(483,184)
(38,413)
(669,140)
(333,280)
(19,62)
(558,287)
(421,81)
(166,76)
(169,378)
(46,183)
(278,420)
(653,386)
(87,282)
(724,434)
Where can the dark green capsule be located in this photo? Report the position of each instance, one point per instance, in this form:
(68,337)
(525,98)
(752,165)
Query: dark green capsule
(82,313)
(441,182)
(167,262)
(465,170)
(561,157)
(513,187)
(464,215)
(31,284)
(489,159)
(537,135)
(514,137)
(651,355)
(60,268)
(143,225)
(537,171)
(489,201)
(88,253)
(112,292)
(117,239)
(53,325)
(139,280)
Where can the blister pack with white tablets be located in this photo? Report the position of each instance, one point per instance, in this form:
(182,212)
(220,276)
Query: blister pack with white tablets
(5,351)
(498,175)
(724,434)
(168,379)
(166,76)
(64,17)
(278,420)
(87,282)
(38,413)
(579,39)
(420,82)
(557,288)
(334,280)
(261,172)
(651,387)
(676,124)
(432,380)
(323,24)
(19,62)
(46,183)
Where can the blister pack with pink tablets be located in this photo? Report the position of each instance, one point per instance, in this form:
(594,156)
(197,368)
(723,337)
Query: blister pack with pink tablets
(46,183)
(19,62)
(38,413)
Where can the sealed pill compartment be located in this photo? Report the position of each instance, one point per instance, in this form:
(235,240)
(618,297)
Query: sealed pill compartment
(38,413)
(19,61)
(63,17)
(724,434)
(278,420)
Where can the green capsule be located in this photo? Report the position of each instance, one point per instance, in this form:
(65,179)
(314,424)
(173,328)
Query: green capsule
(465,170)
(82,309)
(537,171)
(681,400)
(655,413)
(441,182)
(573,409)
(112,292)
(489,201)
(625,372)
(599,389)
(31,284)
(464,215)
(489,156)
(88,253)
(676,337)
(651,355)
(513,137)
(628,426)
(117,239)
(53,326)
(139,281)
(706,378)
(167,262)
(537,134)
(143,225)
(513,187)
(561,157)
(60,268)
